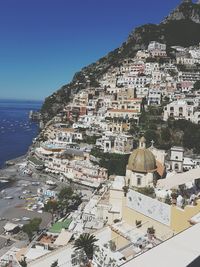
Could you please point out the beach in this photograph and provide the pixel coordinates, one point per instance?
(17, 194)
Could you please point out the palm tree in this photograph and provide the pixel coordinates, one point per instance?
(86, 242)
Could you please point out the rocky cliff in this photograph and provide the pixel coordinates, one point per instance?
(187, 10)
(181, 27)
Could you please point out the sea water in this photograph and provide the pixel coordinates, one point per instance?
(16, 130)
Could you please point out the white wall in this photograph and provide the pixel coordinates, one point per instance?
(149, 207)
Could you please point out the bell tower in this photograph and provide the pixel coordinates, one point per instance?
(177, 157)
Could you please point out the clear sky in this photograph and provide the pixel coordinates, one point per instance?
(44, 42)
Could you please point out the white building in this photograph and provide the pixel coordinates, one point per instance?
(123, 113)
(132, 80)
(156, 46)
(177, 159)
(154, 97)
(189, 76)
(183, 109)
(151, 67)
(123, 144)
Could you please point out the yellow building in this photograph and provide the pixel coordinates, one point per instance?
(134, 206)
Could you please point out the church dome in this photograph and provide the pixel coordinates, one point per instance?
(142, 159)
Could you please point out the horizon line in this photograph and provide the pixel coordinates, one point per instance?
(21, 99)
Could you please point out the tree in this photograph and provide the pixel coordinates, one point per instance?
(27, 228)
(65, 193)
(68, 199)
(196, 85)
(125, 188)
(51, 206)
(31, 227)
(165, 134)
(151, 135)
(86, 242)
(114, 163)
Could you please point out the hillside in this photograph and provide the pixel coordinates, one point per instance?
(181, 27)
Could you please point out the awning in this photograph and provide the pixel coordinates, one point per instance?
(63, 238)
(9, 227)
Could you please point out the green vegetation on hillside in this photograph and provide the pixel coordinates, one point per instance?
(167, 134)
(115, 163)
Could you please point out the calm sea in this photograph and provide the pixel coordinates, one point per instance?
(16, 130)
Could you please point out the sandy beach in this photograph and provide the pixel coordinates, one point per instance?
(14, 209)
(11, 204)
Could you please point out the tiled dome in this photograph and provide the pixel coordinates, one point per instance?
(142, 159)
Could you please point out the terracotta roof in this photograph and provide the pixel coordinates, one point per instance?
(160, 168)
(71, 130)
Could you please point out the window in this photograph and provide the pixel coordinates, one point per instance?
(176, 166)
(138, 180)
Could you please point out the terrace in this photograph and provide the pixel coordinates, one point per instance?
(54, 146)
(121, 242)
(58, 226)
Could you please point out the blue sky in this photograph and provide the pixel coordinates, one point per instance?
(44, 42)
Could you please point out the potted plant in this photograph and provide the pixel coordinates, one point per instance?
(125, 188)
(151, 232)
(174, 197)
(138, 223)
